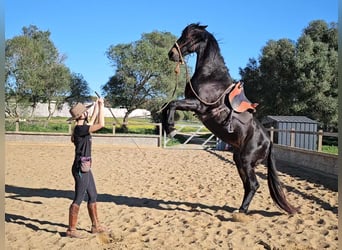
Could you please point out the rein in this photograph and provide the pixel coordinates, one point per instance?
(189, 80)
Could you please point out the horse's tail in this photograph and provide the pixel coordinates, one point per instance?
(274, 185)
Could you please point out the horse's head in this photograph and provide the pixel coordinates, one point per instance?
(188, 43)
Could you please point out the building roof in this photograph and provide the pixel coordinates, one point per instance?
(285, 118)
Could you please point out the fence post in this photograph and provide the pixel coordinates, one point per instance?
(292, 137)
(69, 125)
(164, 137)
(114, 127)
(160, 134)
(17, 125)
(320, 140)
(271, 133)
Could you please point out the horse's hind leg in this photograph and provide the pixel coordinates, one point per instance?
(249, 180)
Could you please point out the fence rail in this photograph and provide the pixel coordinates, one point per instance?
(193, 137)
(320, 134)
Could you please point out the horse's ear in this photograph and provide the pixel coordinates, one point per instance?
(203, 27)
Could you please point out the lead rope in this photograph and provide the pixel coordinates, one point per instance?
(177, 71)
(136, 144)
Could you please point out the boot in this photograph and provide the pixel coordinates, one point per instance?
(73, 213)
(95, 227)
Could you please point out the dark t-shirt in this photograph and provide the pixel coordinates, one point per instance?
(81, 136)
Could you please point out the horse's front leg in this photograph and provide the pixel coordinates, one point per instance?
(168, 113)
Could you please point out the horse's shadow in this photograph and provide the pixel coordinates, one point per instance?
(304, 175)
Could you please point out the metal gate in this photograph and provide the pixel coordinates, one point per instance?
(192, 140)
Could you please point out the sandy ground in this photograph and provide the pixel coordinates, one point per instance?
(158, 199)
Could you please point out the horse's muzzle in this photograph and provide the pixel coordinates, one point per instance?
(173, 55)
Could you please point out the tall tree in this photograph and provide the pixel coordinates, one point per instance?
(143, 72)
(23, 62)
(56, 85)
(35, 69)
(297, 78)
(271, 82)
(79, 90)
(317, 67)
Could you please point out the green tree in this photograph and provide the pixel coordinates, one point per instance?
(56, 85)
(20, 52)
(317, 67)
(34, 70)
(297, 78)
(79, 90)
(144, 75)
(272, 82)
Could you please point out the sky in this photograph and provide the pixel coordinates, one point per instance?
(84, 30)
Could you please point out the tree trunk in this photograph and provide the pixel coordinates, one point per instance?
(50, 111)
(125, 121)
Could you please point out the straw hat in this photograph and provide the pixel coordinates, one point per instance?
(77, 110)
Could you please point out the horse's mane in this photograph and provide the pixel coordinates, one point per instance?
(206, 35)
(213, 52)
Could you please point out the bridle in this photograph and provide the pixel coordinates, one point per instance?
(179, 53)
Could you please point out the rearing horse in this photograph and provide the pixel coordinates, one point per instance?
(206, 94)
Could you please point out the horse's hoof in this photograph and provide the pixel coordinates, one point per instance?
(240, 211)
(240, 217)
(172, 133)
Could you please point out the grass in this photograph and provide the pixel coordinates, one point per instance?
(54, 126)
(330, 149)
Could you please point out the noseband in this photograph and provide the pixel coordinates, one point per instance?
(179, 53)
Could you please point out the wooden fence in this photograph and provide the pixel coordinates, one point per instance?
(320, 134)
(193, 135)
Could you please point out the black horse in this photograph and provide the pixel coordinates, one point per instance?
(206, 94)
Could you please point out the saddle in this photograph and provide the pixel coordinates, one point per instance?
(238, 100)
(239, 103)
